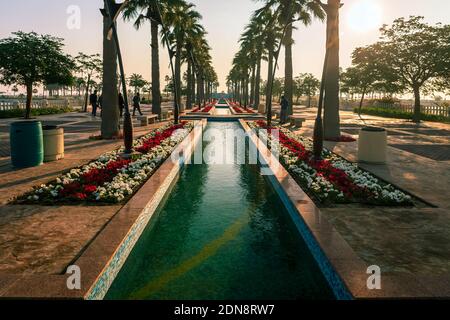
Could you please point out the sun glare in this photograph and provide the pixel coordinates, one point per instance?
(365, 15)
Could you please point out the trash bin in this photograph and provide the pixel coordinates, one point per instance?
(372, 145)
(27, 149)
(53, 143)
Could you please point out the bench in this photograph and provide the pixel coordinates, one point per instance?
(297, 121)
(146, 120)
(166, 114)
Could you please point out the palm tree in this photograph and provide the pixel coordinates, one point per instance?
(142, 10)
(331, 121)
(270, 34)
(137, 82)
(110, 104)
(195, 43)
(182, 20)
(287, 12)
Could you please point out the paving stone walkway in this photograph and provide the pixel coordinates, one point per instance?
(413, 242)
(45, 240)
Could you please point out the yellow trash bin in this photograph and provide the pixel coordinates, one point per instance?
(53, 143)
(372, 145)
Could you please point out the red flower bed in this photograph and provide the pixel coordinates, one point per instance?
(81, 190)
(324, 168)
(238, 109)
(158, 138)
(88, 183)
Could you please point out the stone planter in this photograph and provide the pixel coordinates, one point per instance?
(372, 145)
(53, 143)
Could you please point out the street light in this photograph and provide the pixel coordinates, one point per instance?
(112, 11)
(318, 125)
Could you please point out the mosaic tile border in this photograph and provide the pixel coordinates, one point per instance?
(101, 286)
(338, 286)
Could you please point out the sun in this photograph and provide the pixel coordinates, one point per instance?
(365, 15)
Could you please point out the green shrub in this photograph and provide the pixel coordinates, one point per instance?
(17, 113)
(399, 114)
(387, 100)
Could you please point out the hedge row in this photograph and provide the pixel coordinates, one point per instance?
(399, 114)
(17, 113)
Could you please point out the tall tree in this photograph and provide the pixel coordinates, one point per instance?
(137, 82)
(308, 84)
(418, 53)
(141, 10)
(110, 104)
(331, 119)
(28, 59)
(89, 66)
(181, 19)
(288, 12)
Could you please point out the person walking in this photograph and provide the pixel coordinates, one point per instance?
(100, 104)
(93, 99)
(284, 110)
(137, 104)
(121, 104)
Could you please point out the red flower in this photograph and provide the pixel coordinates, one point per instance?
(324, 168)
(80, 196)
(90, 189)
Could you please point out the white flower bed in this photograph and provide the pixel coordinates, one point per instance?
(381, 192)
(128, 178)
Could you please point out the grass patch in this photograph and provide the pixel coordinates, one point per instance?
(17, 113)
(399, 114)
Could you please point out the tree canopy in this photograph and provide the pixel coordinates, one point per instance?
(27, 59)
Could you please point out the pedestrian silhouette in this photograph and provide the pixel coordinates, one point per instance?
(121, 104)
(284, 110)
(137, 104)
(93, 99)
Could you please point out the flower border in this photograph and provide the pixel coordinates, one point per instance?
(109, 178)
(332, 180)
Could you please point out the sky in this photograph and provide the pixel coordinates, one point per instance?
(224, 20)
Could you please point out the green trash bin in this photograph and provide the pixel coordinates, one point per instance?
(27, 144)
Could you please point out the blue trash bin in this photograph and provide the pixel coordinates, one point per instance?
(27, 144)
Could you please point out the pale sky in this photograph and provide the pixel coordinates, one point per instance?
(223, 19)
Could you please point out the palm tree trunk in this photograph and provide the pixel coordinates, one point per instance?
(178, 74)
(331, 103)
(258, 83)
(87, 93)
(199, 89)
(416, 116)
(193, 85)
(110, 107)
(288, 72)
(252, 85)
(156, 81)
(269, 77)
(189, 86)
(29, 100)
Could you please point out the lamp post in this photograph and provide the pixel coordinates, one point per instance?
(112, 11)
(318, 125)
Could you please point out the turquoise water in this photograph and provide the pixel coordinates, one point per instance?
(223, 233)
